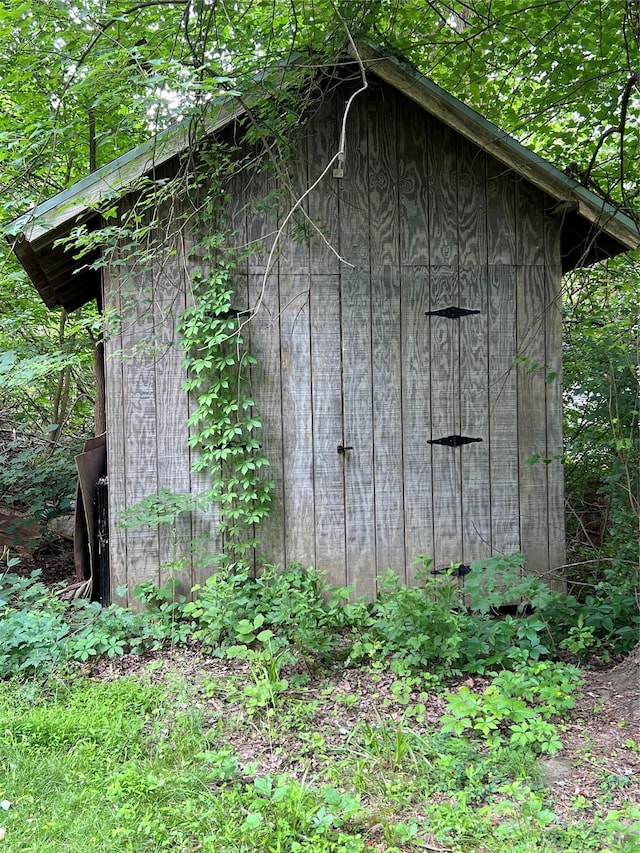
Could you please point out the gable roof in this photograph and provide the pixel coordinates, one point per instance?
(591, 228)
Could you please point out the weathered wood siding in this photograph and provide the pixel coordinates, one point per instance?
(348, 356)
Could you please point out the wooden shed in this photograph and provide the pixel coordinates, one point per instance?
(408, 365)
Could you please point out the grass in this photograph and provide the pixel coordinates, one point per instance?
(176, 758)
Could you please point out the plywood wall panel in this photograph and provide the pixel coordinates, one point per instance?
(501, 214)
(445, 418)
(474, 415)
(266, 387)
(503, 411)
(114, 405)
(416, 416)
(386, 290)
(297, 419)
(443, 195)
(323, 140)
(472, 205)
(173, 458)
(139, 415)
(532, 427)
(358, 433)
(413, 184)
(328, 463)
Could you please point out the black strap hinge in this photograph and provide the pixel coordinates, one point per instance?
(453, 440)
(452, 312)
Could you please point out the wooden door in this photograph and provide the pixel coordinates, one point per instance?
(428, 420)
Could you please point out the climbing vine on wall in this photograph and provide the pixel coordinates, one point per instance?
(225, 424)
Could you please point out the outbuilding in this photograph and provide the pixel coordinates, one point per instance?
(407, 344)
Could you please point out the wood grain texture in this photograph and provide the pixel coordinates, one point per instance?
(328, 464)
(416, 416)
(474, 415)
(297, 419)
(553, 389)
(387, 419)
(445, 419)
(413, 184)
(503, 411)
(443, 196)
(172, 412)
(356, 355)
(472, 205)
(140, 427)
(386, 336)
(532, 431)
(262, 217)
(236, 217)
(501, 214)
(266, 386)
(322, 144)
(295, 236)
(358, 433)
(530, 225)
(353, 189)
(383, 178)
(116, 461)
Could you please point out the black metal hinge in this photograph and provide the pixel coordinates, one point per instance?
(453, 440)
(452, 312)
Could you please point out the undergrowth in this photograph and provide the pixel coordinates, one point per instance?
(153, 764)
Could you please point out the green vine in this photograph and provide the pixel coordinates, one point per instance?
(225, 423)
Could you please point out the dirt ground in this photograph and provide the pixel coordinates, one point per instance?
(598, 768)
(52, 556)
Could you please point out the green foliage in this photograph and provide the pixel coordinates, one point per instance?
(225, 421)
(278, 608)
(516, 707)
(41, 632)
(417, 627)
(601, 428)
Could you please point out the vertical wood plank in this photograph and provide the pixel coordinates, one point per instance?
(262, 213)
(116, 458)
(387, 420)
(443, 206)
(474, 415)
(322, 144)
(501, 214)
(413, 184)
(267, 393)
(356, 354)
(503, 411)
(358, 433)
(416, 416)
(353, 190)
(555, 471)
(293, 180)
(328, 466)
(530, 225)
(172, 413)
(532, 433)
(472, 205)
(297, 419)
(386, 289)
(445, 419)
(140, 402)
